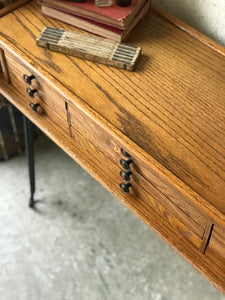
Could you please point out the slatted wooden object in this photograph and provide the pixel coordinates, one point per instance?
(89, 47)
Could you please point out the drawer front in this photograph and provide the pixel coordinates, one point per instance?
(215, 250)
(188, 220)
(51, 106)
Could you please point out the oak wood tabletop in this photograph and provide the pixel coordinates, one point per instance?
(172, 106)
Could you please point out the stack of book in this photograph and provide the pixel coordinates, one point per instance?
(113, 22)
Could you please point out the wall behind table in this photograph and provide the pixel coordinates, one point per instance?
(207, 16)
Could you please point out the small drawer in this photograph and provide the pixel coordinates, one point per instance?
(179, 213)
(215, 250)
(42, 97)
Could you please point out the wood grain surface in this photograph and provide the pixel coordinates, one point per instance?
(4, 73)
(47, 96)
(176, 210)
(11, 7)
(216, 248)
(175, 113)
(169, 115)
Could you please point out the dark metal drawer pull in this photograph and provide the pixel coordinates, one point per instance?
(125, 153)
(125, 175)
(125, 187)
(27, 79)
(126, 163)
(36, 107)
(31, 92)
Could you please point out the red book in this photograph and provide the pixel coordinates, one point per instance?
(104, 30)
(114, 15)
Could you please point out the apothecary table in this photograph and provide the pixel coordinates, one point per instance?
(162, 124)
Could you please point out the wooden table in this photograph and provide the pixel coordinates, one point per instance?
(168, 117)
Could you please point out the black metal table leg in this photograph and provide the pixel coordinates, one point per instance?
(29, 144)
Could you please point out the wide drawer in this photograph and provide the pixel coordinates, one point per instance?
(52, 105)
(187, 219)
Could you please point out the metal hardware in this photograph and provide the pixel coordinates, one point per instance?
(125, 153)
(125, 187)
(27, 79)
(36, 107)
(126, 163)
(125, 175)
(29, 143)
(31, 92)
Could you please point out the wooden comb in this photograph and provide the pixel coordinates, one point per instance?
(90, 47)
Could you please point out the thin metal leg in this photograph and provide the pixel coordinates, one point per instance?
(29, 144)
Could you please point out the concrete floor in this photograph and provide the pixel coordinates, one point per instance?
(81, 243)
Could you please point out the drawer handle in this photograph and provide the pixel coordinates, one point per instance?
(31, 92)
(125, 187)
(125, 175)
(27, 79)
(36, 107)
(126, 163)
(124, 152)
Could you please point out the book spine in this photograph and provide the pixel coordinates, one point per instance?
(82, 24)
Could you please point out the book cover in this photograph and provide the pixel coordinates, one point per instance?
(114, 15)
(84, 23)
(111, 32)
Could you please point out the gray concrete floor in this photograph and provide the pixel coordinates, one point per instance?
(82, 243)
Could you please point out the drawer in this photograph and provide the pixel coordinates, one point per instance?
(215, 250)
(178, 212)
(52, 105)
